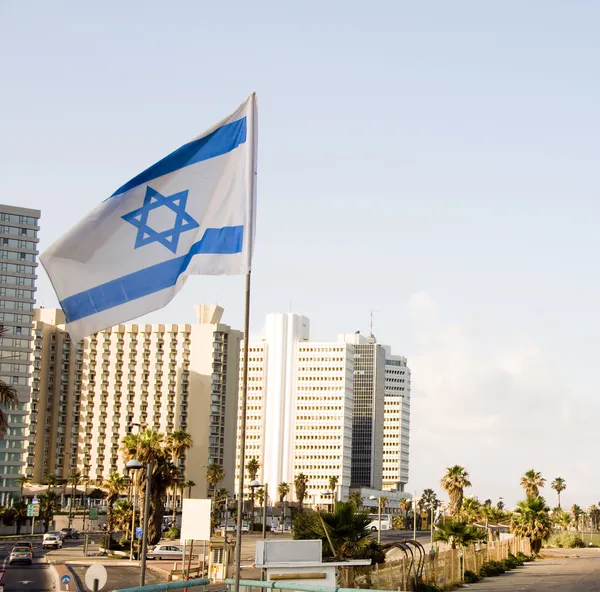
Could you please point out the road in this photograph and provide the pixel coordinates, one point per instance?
(35, 578)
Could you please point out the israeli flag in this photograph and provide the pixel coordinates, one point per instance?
(192, 212)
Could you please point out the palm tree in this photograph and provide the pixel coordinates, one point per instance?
(8, 399)
(260, 494)
(405, 505)
(122, 515)
(594, 513)
(531, 481)
(51, 481)
(562, 519)
(74, 480)
(214, 474)
(356, 499)
(179, 442)
(333, 483)
(189, 484)
(454, 482)
(149, 447)
(471, 509)
(20, 513)
(430, 502)
(559, 485)
(344, 529)
(300, 485)
(22, 480)
(48, 505)
(458, 533)
(115, 484)
(576, 512)
(252, 466)
(283, 490)
(532, 519)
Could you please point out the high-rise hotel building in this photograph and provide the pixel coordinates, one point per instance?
(18, 273)
(89, 395)
(318, 409)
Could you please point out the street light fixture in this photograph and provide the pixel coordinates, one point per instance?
(133, 465)
(374, 497)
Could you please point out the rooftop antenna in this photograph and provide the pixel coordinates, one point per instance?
(371, 322)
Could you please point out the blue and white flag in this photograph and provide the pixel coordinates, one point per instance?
(192, 212)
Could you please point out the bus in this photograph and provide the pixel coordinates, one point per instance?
(386, 522)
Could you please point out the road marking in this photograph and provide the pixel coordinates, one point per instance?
(26, 582)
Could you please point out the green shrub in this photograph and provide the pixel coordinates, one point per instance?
(565, 540)
(507, 564)
(515, 561)
(172, 533)
(421, 587)
(524, 558)
(491, 568)
(471, 577)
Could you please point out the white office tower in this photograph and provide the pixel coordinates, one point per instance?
(300, 405)
(396, 426)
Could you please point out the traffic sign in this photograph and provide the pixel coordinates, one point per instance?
(96, 572)
(35, 500)
(138, 532)
(33, 510)
(65, 579)
(93, 513)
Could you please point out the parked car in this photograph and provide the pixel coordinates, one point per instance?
(20, 555)
(69, 533)
(52, 540)
(26, 544)
(165, 552)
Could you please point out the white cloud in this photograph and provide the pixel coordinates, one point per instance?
(498, 409)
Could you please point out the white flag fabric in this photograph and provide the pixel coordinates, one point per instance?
(192, 212)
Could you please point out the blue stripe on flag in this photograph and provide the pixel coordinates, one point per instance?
(215, 241)
(221, 141)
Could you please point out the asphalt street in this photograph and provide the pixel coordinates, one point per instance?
(30, 578)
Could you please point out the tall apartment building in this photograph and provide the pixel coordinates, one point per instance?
(320, 409)
(89, 395)
(299, 416)
(396, 426)
(18, 273)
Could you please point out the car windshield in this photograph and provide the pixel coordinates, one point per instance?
(21, 550)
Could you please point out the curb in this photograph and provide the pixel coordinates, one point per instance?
(59, 571)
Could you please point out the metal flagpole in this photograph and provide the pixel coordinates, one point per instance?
(240, 504)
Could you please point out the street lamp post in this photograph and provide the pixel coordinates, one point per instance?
(373, 497)
(415, 500)
(145, 526)
(133, 465)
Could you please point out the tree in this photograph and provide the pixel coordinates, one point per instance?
(300, 486)
(471, 509)
(382, 503)
(594, 513)
(344, 529)
(356, 499)
(562, 519)
(115, 484)
(532, 519)
(8, 399)
(283, 489)
(576, 512)
(178, 442)
(454, 482)
(149, 447)
(252, 466)
(531, 482)
(22, 480)
(333, 483)
(74, 480)
(48, 505)
(122, 515)
(189, 484)
(51, 481)
(405, 505)
(214, 474)
(559, 485)
(458, 533)
(19, 510)
(430, 502)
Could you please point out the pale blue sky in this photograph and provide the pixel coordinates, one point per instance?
(434, 161)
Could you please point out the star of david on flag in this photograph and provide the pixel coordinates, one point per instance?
(168, 238)
(191, 213)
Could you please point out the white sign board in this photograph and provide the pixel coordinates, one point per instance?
(96, 572)
(195, 520)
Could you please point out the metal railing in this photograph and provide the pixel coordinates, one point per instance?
(169, 586)
(250, 584)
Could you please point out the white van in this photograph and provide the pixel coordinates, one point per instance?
(386, 522)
